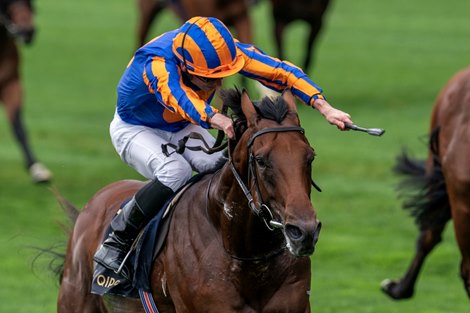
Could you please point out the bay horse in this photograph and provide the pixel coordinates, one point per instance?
(240, 238)
(310, 11)
(234, 13)
(442, 182)
(17, 23)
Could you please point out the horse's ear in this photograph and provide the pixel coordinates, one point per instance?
(248, 109)
(289, 99)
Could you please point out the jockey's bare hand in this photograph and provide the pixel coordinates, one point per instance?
(332, 115)
(222, 122)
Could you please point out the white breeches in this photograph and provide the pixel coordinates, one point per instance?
(141, 148)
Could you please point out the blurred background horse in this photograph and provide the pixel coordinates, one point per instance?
(309, 11)
(16, 19)
(234, 13)
(239, 239)
(442, 183)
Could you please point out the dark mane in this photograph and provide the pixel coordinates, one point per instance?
(274, 109)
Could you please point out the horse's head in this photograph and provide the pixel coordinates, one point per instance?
(17, 18)
(277, 158)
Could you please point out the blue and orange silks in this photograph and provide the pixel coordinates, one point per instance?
(154, 92)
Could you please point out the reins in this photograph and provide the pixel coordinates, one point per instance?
(233, 256)
(206, 148)
(219, 145)
(263, 211)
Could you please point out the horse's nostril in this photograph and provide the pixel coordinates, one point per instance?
(293, 232)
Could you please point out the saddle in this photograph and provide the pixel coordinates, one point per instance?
(145, 249)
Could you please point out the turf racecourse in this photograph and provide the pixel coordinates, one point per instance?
(382, 61)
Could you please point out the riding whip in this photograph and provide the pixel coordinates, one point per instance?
(370, 131)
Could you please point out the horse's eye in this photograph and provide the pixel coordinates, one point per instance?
(261, 161)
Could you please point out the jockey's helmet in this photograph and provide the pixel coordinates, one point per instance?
(206, 47)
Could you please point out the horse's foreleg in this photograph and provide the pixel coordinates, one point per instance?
(148, 10)
(278, 36)
(12, 99)
(456, 169)
(315, 27)
(465, 271)
(243, 28)
(244, 34)
(404, 287)
(458, 186)
(461, 218)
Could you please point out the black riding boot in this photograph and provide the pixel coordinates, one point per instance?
(128, 223)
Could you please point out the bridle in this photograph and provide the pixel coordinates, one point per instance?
(262, 210)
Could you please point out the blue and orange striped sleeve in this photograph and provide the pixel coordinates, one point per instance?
(164, 79)
(278, 75)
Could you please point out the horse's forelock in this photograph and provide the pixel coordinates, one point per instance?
(275, 109)
(272, 108)
(269, 108)
(232, 98)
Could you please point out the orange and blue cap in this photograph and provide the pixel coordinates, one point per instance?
(206, 47)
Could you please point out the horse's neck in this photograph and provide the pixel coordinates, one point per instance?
(244, 234)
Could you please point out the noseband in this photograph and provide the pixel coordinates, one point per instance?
(263, 211)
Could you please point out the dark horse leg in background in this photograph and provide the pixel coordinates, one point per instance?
(433, 214)
(443, 183)
(315, 27)
(456, 168)
(404, 287)
(285, 12)
(148, 10)
(17, 24)
(279, 28)
(232, 13)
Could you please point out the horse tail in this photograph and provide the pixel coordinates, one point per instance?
(69, 209)
(56, 258)
(424, 192)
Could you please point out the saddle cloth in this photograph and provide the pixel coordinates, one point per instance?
(146, 248)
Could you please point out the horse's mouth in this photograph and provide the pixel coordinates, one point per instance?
(300, 251)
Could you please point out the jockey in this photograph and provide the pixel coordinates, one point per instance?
(165, 94)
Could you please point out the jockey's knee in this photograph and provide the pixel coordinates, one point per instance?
(209, 163)
(175, 174)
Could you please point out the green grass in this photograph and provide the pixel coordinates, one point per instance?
(382, 61)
